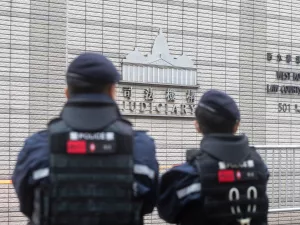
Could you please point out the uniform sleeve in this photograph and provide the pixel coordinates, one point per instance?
(267, 172)
(146, 171)
(178, 189)
(33, 156)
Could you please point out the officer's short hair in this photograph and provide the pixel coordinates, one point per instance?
(213, 123)
(88, 89)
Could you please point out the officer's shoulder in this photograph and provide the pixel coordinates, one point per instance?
(143, 141)
(252, 148)
(39, 137)
(184, 168)
(142, 135)
(141, 132)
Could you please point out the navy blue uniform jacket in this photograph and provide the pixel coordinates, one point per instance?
(180, 178)
(34, 156)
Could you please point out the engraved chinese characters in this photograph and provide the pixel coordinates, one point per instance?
(280, 57)
(150, 101)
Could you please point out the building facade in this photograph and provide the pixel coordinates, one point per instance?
(169, 52)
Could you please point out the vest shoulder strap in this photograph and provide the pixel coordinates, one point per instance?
(53, 121)
(191, 154)
(125, 121)
(193, 157)
(56, 125)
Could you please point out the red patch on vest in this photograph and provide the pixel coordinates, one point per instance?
(76, 147)
(226, 176)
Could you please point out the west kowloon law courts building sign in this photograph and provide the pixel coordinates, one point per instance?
(158, 84)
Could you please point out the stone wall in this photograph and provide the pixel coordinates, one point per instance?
(227, 41)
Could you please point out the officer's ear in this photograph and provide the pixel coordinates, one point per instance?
(112, 90)
(67, 93)
(196, 123)
(236, 127)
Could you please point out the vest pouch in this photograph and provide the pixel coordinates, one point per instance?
(94, 192)
(41, 205)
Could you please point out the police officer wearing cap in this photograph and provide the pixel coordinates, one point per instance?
(224, 181)
(89, 167)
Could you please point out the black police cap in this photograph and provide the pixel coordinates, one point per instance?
(220, 103)
(92, 69)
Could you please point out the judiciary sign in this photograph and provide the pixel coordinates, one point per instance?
(150, 107)
(175, 77)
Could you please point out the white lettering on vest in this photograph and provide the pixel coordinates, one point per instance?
(105, 136)
(245, 164)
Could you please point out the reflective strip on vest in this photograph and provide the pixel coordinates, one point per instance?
(189, 190)
(40, 173)
(144, 170)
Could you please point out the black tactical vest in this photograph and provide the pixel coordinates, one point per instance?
(232, 194)
(91, 170)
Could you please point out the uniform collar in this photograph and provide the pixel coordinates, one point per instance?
(90, 112)
(91, 98)
(226, 147)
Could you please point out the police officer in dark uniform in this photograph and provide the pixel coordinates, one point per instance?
(224, 181)
(89, 167)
